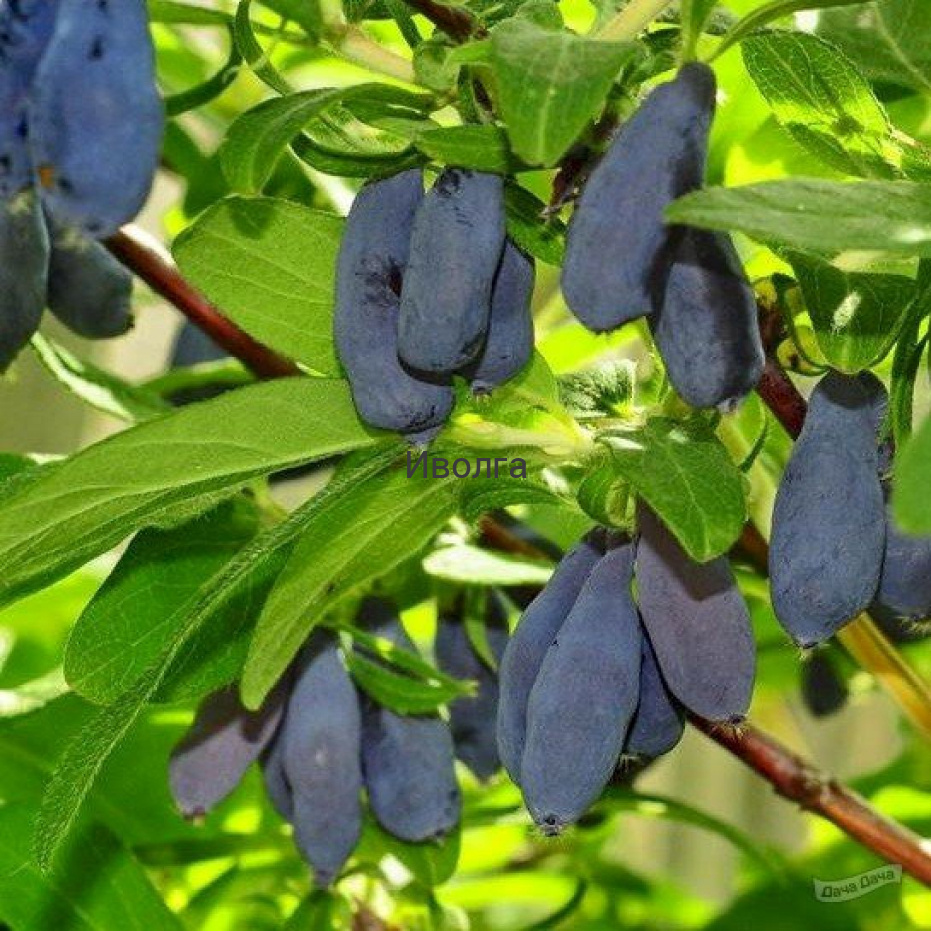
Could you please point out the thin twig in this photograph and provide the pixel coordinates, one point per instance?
(141, 258)
(798, 781)
(457, 22)
(578, 163)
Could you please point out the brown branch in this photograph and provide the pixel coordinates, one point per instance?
(456, 21)
(365, 919)
(783, 399)
(753, 549)
(579, 162)
(163, 278)
(798, 781)
(497, 537)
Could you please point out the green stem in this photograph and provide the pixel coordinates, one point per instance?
(632, 20)
(354, 45)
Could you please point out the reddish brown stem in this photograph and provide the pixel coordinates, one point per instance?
(753, 549)
(798, 781)
(497, 537)
(578, 163)
(457, 22)
(163, 278)
(781, 396)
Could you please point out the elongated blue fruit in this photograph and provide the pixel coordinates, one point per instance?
(705, 326)
(659, 722)
(89, 291)
(24, 258)
(456, 246)
(224, 741)
(616, 250)
(829, 528)
(194, 347)
(277, 786)
(897, 629)
(584, 698)
(509, 343)
(25, 29)
(697, 622)
(535, 633)
(372, 262)
(95, 115)
(320, 755)
(823, 689)
(905, 580)
(472, 719)
(408, 760)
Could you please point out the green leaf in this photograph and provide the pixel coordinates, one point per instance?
(686, 476)
(382, 649)
(560, 915)
(171, 11)
(98, 886)
(357, 535)
(856, 316)
(822, 217)
(431, 863)
(95, 387)
(165, 471)
(535, 386)
(434, 66)
(378, 125)
(911, 503)
(85, 754)
(258, 138)
(306, 13)
(888, 40)
(550, 85)
(770, 12)
(604, 496)
(472, 565)
(323, 909)
(400, 693)
(347, 165)
(481, 148)
(209, 89)
(479, 496)
(827, 106)
(126, 625)
(252, 52)
(538, 235)
(271, 265)
(908, 352)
